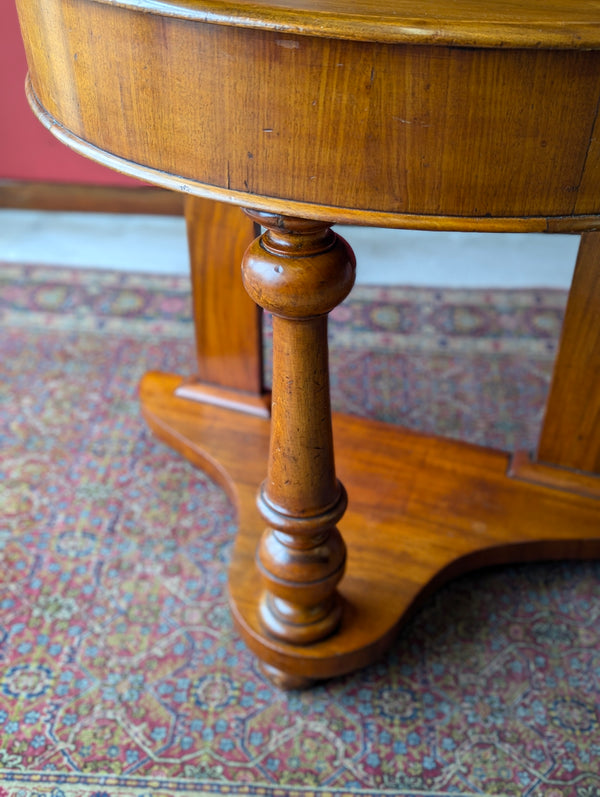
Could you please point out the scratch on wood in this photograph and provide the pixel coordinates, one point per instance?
(410, 121)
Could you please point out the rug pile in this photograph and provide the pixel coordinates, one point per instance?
(120, 672)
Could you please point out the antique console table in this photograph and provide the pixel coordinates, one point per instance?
(466, 115)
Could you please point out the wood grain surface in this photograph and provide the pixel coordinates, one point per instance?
(570, 436)
(489, 23)
(472, 114)
(227, 323)
(421, 510)
(419, 134)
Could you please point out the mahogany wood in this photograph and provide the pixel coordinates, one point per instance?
(571, 431)
(470, 114)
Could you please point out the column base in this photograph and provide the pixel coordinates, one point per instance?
(421, 510)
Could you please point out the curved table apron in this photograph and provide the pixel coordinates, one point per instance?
(471, 116)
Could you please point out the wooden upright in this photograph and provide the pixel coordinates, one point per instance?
(571, 432)
(469, 115)
(300, 270)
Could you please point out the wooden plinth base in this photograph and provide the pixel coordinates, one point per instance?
(421, 510)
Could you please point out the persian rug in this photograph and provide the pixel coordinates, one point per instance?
(120, 671)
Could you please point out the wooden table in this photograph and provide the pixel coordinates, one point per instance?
(467, 115)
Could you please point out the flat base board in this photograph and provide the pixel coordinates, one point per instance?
(422, 510)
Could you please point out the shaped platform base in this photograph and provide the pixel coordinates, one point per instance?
(421, 511)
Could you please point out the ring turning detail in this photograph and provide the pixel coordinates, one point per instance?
(472, 115)
(300, 270)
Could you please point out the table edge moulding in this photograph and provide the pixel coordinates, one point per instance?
(470, 115)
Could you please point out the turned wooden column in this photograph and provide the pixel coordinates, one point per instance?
(299, 270)
(364, 107)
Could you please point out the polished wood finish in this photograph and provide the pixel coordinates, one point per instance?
(524, 466)
(89, 198)
(258, 404)
(422, 510)
(557, 24)
(571, 431)
(435, 136)
(300, 270)
(464, 115)
(227, 323)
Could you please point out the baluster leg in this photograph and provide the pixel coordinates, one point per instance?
(300, 270)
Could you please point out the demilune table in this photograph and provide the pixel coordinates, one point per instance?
(438, 115)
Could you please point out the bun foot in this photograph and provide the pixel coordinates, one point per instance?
(284, 680)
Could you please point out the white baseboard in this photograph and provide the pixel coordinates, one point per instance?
(385, 257)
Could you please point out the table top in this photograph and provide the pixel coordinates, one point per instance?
(475, 114)
(478, 23)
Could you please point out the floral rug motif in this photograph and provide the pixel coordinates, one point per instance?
(120, 671)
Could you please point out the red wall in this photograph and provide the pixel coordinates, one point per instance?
(27, 150)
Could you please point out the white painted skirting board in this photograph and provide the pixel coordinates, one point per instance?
(385, 257)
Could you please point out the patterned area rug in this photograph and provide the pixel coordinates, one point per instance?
(120, 672)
